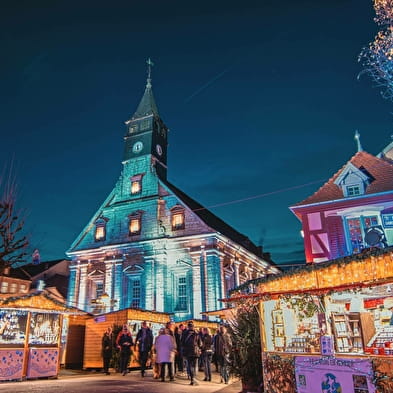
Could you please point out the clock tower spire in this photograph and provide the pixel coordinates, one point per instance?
(146, 133)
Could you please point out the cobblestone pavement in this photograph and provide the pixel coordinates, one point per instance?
(70, 381)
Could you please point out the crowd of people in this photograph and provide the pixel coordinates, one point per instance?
(176, 350)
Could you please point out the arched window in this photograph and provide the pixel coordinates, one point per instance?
(177, 218)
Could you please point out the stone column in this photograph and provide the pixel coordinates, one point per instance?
(83, 282)
(196, 285)
(236, 265)
(73, 285)
(160, 283)
(150, 284)
(117, 283)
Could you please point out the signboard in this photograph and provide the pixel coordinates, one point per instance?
(333, 375)
(387, 220)
(44, 328)
(11, 364)
(12, 326)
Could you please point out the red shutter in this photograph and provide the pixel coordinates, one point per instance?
(336, 235)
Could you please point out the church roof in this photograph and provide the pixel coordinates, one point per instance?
(217, 224)
(380, 170)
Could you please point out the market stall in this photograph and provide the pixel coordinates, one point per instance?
(31, 335)
(329, 325)
(96, 326)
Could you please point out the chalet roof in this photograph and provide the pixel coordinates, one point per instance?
(18, 273)
(380, 170)
(219, 225)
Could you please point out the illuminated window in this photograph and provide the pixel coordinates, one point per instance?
(100, 233)
(134, 226)
(4, 287)
(22, 288)
(136, 184)
(13, 287)
(357, 228)
(182, 294)
(136, 293)
(136, 187)
(177, 218)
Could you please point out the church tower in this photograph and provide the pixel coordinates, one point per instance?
(146, 134)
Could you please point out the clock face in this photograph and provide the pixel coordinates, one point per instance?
(159, 150)
(137, 147)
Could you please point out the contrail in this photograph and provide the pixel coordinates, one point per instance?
(206, 85)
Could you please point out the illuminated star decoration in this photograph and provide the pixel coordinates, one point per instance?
(377, 58)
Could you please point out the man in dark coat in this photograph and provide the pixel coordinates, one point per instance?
(222, 350)
(107, 346)
(191, 347)
(144, 339)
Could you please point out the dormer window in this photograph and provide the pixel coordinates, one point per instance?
(353, 181)
(136, 184)
(134, 225)
(177, 218)
(100, 232)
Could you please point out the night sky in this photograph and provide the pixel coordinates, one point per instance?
(261, 98)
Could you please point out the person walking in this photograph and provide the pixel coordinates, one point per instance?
(179, 362)
(144, 340)
(191, 345)
(165, 346)
(124, 342)
(207, 353)
(106, 349)
(222, 350)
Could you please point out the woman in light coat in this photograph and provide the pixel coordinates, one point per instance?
(165, 346)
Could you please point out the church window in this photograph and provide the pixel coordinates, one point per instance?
(99, 289)
(136, 293)
(136, 184)
(100, 231)
(177, 218)
(145, 124)
(182, 294)
(134, 225)
(136, 187)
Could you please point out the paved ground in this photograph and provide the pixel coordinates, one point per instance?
(70, 381)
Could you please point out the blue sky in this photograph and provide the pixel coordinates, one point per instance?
(261, 98)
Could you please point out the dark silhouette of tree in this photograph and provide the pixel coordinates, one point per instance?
(13, 244)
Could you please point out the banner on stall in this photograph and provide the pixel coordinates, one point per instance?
(333, 375)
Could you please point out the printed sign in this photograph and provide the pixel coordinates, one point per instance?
(333, 375)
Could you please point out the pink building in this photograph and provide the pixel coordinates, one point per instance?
(352, 211)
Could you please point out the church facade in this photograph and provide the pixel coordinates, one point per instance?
(151, 246)
(352, 211)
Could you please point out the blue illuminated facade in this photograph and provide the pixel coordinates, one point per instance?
(151, 246)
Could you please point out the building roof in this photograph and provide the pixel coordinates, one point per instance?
(147, 105)
(219, 225)
(31, 270)
(380, 170)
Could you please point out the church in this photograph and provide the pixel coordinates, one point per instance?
(151, 246)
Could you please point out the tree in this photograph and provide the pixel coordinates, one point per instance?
(13, 244)
(247, 352)
(377, 57)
